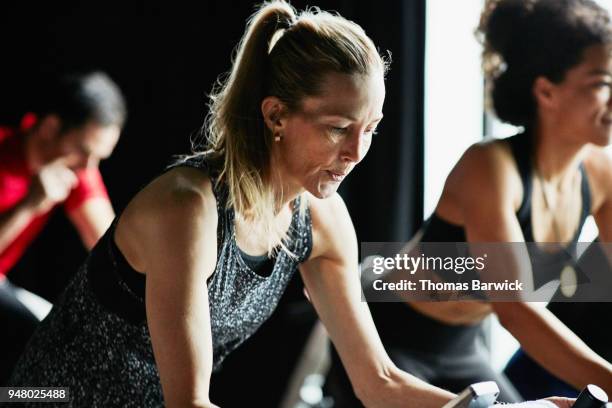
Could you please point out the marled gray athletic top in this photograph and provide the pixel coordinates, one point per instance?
(96, 340)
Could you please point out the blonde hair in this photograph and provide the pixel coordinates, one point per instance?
(286, 55)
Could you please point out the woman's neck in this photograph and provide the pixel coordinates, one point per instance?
(556, 158)
(285, 188)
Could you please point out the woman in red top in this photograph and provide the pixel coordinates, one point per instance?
(52, 159)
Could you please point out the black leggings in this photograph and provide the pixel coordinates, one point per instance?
(449, 357)
(18, 325)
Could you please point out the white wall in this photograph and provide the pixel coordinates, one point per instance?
(453, 89)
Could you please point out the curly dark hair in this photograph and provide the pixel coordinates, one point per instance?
(526, 39)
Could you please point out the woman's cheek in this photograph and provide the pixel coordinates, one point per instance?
(366, 144)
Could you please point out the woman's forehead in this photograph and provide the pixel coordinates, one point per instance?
(347, 96)
(597, 60)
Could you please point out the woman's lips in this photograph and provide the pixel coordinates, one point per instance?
(336, 176)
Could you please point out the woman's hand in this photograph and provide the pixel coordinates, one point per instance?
(50, 186)
(562, 402)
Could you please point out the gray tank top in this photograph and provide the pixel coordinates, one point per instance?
(240, 300)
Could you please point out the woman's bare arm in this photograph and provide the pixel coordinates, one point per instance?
(332, 279)
(552, 344)
(170, 230)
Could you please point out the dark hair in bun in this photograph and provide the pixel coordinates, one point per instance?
(525, 39)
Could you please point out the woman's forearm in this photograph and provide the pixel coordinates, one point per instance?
(548, 341)
(395, 388)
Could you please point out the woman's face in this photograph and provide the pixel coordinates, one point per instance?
(584, 98)
(85, 146)
(330, 133)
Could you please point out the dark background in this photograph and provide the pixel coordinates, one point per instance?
(165, 57)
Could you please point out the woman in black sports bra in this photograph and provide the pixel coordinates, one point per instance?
(549, 68)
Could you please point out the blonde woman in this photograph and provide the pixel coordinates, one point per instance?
(199, 258)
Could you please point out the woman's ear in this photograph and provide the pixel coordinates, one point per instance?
(544, 92)
(274, 112)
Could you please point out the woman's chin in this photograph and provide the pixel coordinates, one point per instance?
(602, 140)
(325, 190)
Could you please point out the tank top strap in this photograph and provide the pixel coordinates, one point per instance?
(585, 189)
(300, 232)
(521, 148)
(301, 237)
(205, 163)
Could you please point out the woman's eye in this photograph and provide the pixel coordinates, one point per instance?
(372, 131)
(336, 134)
(604, 84)
(338, 130)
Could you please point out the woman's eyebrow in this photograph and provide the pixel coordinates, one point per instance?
(348, 117)
(338, 116)
(600, 72)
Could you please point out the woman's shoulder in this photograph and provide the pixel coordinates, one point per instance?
(174, 209)
(598, 160)
(180, 189)
(326, 209)
(487, 157)
(487, 171)
(331, 224)
(598, 165)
